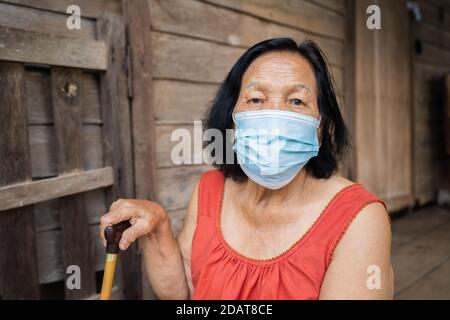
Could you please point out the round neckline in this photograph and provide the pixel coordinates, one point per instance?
(283, 255)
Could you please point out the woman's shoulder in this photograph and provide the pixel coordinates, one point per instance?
(338, 183)
(370, 206)
(373, 211)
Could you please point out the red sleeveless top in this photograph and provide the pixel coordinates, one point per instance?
(219, 272)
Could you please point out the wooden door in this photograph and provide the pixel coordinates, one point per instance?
(65, 146)
(383, 156)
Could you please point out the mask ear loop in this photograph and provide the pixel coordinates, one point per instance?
(318, 125)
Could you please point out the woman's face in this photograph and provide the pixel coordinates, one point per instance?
(279, 80)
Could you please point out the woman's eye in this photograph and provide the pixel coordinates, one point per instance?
(296, 102)
(255, 101)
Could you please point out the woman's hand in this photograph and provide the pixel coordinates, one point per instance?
(145, 218)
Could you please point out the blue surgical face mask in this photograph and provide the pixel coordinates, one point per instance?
(272, 146)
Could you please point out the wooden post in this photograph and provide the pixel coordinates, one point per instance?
(18, 262)
(138, 26)
(117, 138)
(67, 106)
(348, 109)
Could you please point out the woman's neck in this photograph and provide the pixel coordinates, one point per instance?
(258, 195)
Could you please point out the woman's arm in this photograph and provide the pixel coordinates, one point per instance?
(165, 260)
(361, 265)
(186, 235)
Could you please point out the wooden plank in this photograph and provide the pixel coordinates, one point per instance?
(335, 5)
(43, 151)
(427, 118)
(93, 150)
(232, 28)
(89, 8)
(399, 202)
(50, 248)
(435, 285)
(432, 34)
(18, 261)
(175, 185)
(408, 228)
(46, 214)
(189, 59)
(38, 96)
(33, 47)
(432, 15)
(383, 102)
(434, 54)
(138, 26)
(299, 14)
(67, 109)
(440, 3)
(349, 108)
(419, 257)
(447, 118)
(170, 95)
(117, 139)
(91, 106)
(164, 143)
(140, 41)
(30, 19)
(23, 194)
(200, 61)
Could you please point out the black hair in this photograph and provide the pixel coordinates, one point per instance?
(334, 134)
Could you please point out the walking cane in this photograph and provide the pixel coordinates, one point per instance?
(112, 236)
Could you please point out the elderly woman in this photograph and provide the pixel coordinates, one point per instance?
(278, 223)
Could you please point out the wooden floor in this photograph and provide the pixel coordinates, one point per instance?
(421, 254)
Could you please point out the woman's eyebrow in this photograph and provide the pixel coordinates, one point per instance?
(253, 84)
(294, 86)
(301, 86)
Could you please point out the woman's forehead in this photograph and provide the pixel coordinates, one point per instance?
(281, 68)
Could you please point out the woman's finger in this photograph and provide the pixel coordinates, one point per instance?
(112, 218)
(117, 204)
(132, 233)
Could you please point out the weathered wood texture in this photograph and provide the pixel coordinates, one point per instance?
(383, 104)
(67, 101)
(431, 62)
(18, 261)
(43, 147)
(26, 193)
(89, 8)
(142, 112)
(348, 166)
(194, 45)
(40, 48)
(138, 25)
(97, 119)
(421, 254)
(29, 19)
(117, 138)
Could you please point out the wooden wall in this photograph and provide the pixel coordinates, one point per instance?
(195, 43)
(431, 62)
(383, 103)
(70, 135)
